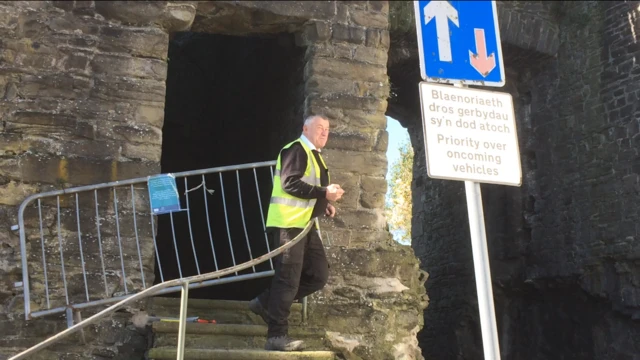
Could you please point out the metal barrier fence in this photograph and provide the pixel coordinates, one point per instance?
(95, 245)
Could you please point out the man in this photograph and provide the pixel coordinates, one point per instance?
(301, 193)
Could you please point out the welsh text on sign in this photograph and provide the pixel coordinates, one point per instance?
(470, 135)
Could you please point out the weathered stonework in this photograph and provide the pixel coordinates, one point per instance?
(563, 247)
(83, 87)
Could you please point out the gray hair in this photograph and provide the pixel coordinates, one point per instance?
(310, 118)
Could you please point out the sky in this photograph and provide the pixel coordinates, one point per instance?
(397, 135)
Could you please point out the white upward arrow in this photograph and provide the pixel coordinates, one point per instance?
(442, 11)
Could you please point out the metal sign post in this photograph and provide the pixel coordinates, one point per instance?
(470, 135)
(482, 269)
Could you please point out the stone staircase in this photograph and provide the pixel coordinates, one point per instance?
(238, 334)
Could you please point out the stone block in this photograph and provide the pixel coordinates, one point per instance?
(378, 89)
(149, 115)
(371, 55)
(129, 66)
(9, 168)
(341, 69)
(39, 141)
(130, 89)
(333, 114)
(3, 85)
(391, 262)
(382, 141)
(360, 118)
(8, 20)
(336, 237)
(135, 133)
(131, 12)
(347, 102)
(349, 182)
(365, 163)
(352, 140)
(380, 6)
(306, 9)
(330, 50)
(84, 8)
(373, 37)
(148, 152)
(371, 184)
(30, 25)
(151, 43)
(78, 171)
(368, 19)
(342, 13)
(64, 5)
(56, 85)
(369, 238)
(46, 123)
(13, 193)
(11, 144)
(76, 62)
(179, 16)
(95, 149)
(357, 4)
(373, 192)
(64, 23)
(385, 39)
(372, 200)
(319, 84)
(349, 34)
(317, 31)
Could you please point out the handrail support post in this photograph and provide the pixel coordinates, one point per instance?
(182, 329)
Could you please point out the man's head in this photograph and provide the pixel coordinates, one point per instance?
(316, 129)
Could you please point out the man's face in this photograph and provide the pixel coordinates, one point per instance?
(317, 132)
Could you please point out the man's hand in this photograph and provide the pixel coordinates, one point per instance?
(331, 211)
(334, 192)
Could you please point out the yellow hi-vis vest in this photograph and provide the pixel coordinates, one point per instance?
(287, 211)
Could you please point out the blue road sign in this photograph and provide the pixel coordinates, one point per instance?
(459, 42)
(163, 194)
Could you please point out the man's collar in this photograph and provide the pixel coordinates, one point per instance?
(309, 144)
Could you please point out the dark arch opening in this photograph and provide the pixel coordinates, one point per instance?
(230, 100)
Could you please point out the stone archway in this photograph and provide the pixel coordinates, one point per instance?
(84, 103)
(443, 246)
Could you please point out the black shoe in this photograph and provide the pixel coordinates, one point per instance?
(283, 343)
(256, 307)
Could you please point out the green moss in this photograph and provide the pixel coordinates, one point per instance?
(401, 16)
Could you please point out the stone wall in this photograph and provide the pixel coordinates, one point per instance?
(83, 92)
(82, 103)
(563, 247)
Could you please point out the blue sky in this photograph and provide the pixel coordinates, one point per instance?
(397, 134)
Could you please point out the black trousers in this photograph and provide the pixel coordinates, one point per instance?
(300, 271)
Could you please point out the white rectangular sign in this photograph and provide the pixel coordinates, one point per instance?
(470, 135)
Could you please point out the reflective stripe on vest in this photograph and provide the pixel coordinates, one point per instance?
(287, 211)
(311, 179)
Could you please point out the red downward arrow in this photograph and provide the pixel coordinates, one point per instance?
(481, 62)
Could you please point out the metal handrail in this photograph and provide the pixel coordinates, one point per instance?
(154, 290)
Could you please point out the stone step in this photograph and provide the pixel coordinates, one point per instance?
(198, 341)
(229, 336)
(238, 354)
(223, 311)
(231, 329)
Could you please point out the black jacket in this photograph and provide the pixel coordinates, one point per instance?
(292, 167)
